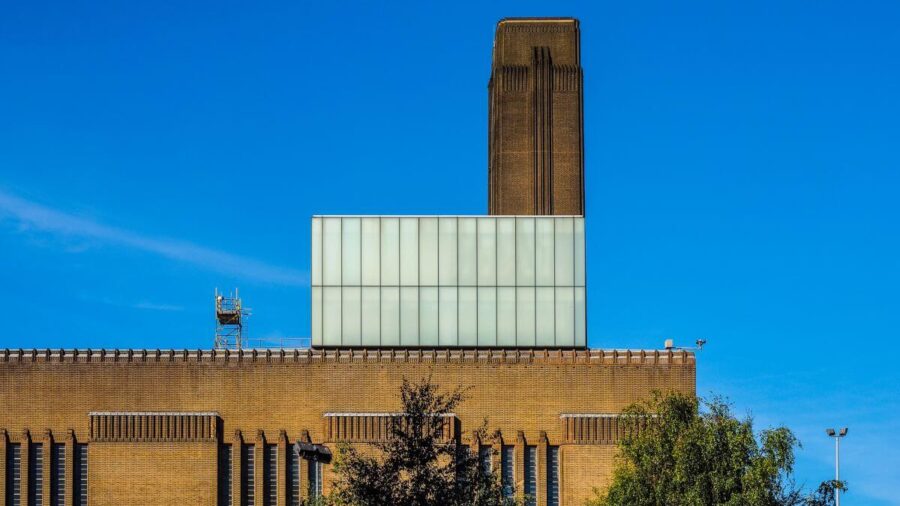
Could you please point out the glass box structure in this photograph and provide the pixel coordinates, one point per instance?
(448, 281)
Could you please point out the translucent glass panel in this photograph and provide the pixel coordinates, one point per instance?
(370, 310)
(351, 259)
(448, 317)
(409, 251)
(331, 251)
(370, 242)
(390, 316)
(448, 281)
(447, 252)
(351, 312)
(428, 316)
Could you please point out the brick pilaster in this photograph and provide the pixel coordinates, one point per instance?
(259, 468)
(541, 471)
(47, 491)
(70, 467)
(283, 481)
(304, 469)
(3, 447)
(562, 476)
(237, 448)
(519, 468)
(475, 448)
(25, 453)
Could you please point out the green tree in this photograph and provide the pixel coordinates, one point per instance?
(679, 450)
(416, 465)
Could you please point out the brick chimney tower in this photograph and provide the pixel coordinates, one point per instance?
(535, 130)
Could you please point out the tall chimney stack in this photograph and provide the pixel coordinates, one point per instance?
(535, 131)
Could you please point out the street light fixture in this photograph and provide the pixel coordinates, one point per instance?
(837, 461)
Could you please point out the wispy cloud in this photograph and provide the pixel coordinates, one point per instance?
(141, 305)
(150, 306)
(31, 215)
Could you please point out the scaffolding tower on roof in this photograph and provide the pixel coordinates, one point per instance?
(230, 315)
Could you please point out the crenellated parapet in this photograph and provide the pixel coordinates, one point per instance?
(353, 355)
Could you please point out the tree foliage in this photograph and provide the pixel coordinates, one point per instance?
(679, 450)
(416, 465)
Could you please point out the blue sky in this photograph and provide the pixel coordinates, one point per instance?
(742, 178)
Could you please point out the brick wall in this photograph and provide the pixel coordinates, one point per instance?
(261, 394)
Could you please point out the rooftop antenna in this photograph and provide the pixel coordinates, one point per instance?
(230, 315)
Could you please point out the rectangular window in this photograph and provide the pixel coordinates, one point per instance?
(485, 456)
(13, 473)
(293, 474)
(507, 470)
(270, 475)
(315, 478)
(552, 476)
(58, 475)
(80, 486)
(225, 475)
(248, 475)
(530, 475)
(35, 474)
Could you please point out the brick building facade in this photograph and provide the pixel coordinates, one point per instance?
(162, 427)
(504, 316)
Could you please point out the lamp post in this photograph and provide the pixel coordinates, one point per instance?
(837, 461)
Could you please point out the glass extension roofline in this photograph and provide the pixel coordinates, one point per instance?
(448, 281)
